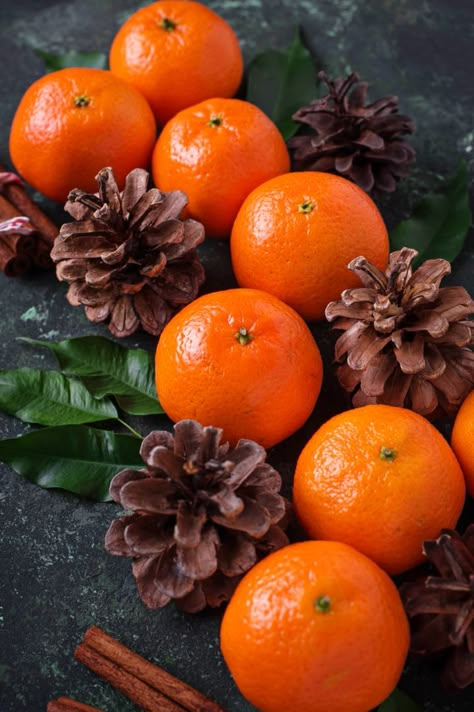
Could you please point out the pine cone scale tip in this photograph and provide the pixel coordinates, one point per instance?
(189, 524)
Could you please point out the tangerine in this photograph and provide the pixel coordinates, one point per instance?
(295, 235)
(73, 122)
(240, 360)
(177, 53)
(382, 479)
(217, 152)
(462, 438)
(315, 627)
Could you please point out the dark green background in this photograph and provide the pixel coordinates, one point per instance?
(56, 580)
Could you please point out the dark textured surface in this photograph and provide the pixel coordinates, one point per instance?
(56, 579)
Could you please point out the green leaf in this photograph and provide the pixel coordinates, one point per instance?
(53, 62)
(399, 702)
(280, 82)
(440, 222)
(72, 457)
(50, 398)
(107, 368)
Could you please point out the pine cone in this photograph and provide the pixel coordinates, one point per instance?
(203, 513)
(442, 607)
(362, 143)
(129, 257)
(406, 341)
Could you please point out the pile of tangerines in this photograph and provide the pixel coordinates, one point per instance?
(317, 626)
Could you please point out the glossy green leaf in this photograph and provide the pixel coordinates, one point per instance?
(440, 222)
(53, 62)
(50, 398)
(72, 457)
(107, 368)
(280, 82)
(399, 702)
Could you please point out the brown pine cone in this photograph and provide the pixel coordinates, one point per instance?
(203, 514)
(407, 341)
(361, 142)
(129, 257)
(441, 607)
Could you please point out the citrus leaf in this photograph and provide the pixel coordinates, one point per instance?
(399, 702)
(440, 222)
(107, 368)
(280, 82)
(50, 398)
(72, 457)
(53, 62)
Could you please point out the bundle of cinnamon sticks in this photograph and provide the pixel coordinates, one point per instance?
(146, 684)
(26, 233)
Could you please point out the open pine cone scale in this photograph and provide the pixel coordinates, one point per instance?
(407, 341)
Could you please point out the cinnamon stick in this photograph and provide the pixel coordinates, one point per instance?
(66, 704)
(16, 194)
(16, 257)
(12, 262)
(139, 692)
(178, 691)
(7, 209)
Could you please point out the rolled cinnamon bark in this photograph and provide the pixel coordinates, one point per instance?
(16, 247)
(132, 687)
(66, 704)
(12, 188)
(154, 676)
(144, 683)
(19, 252)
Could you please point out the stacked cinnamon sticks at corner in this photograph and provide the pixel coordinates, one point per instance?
(26, 233)
(150, 687)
